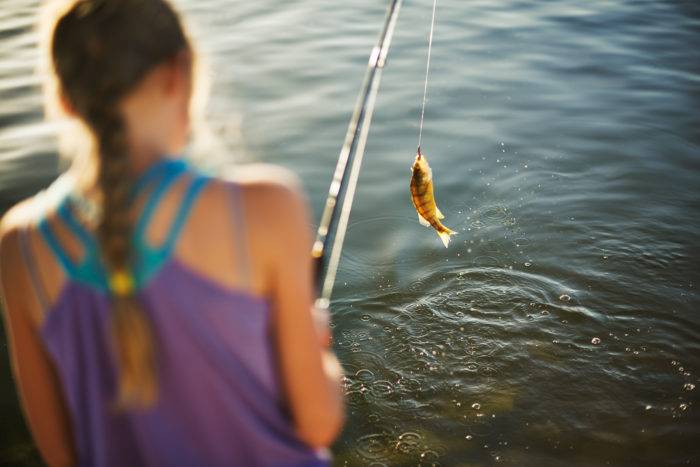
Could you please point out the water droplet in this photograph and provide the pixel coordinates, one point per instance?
(595, 341)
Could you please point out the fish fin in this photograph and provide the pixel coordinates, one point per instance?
(422, 221)
(438, 213)
(445, 236)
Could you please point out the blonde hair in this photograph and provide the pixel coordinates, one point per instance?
(99, 51)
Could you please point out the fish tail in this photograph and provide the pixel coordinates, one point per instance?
(445, 236)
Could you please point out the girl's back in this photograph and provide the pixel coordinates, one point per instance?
(220, 395)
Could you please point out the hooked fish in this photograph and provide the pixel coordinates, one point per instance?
(424, 200)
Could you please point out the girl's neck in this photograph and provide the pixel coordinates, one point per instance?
(85, 170)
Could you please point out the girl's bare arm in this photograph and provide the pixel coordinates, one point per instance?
(310, 372)
(35, 376)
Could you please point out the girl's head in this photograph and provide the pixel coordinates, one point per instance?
(124, 68)
(127, 60)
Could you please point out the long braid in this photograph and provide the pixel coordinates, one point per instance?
(102, 49)
(131, 329)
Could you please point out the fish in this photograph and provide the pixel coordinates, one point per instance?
(423, 198)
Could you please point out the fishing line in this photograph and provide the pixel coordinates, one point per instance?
(427, 70)
(351, 154)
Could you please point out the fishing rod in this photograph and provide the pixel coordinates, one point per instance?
(350, 158)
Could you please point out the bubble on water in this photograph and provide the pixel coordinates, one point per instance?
(365, 317)
(364, 375)
(468, 437)
(564, 297)
(528, 264)
(373, 446)
(408, 442)
(382, 388)
(486, 261)
(688, 386)
(683, 407)
(476, 406)
(471, 367)
(595, 341)
(674, 363)
(429, 456)
(648, 407)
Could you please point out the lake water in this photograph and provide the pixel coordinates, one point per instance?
(561, 326)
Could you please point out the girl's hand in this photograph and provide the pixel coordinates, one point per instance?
(321, 318)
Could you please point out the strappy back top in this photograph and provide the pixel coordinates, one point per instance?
(219, 401)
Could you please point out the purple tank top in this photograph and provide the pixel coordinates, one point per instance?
(219, 400)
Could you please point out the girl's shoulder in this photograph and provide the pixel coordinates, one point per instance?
(25, 215)
(252, 215)
(268, 193)
(11, 224)
(17, 234)
(20, 217)
(266, 182)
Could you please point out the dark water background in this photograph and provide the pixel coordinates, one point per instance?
(561, 326)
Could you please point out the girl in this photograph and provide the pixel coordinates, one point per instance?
(157, 316)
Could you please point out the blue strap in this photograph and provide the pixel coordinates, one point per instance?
(171, 174)
(151, 259)
(55, 246)
(156, 170)
(184, 211)
(66, 215)
(90, 270)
